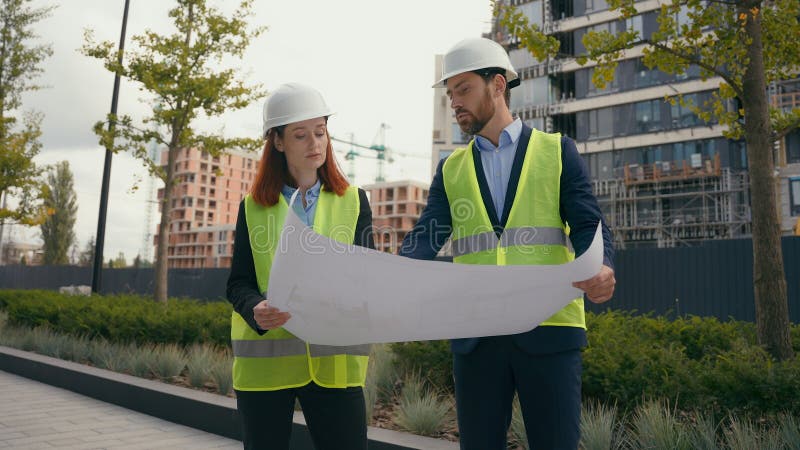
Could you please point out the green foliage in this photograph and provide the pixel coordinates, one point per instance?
(600, 429)
(422, 410)
(200, 359)
(529, 35)
(697, 363)
(744, 434)
(183, 76)
(518, 434)
(20, 64)
(19, 177)
(121, 318)
(58, 232)
(432, 359)
(140, 359)
(710, 35)
(222, 374)
(182, 73)
(381, 377)
(703, 432)
(168, 361)
(119, 262)
(789, 429)
(655, 425)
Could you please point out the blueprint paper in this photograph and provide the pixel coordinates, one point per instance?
(342, 294)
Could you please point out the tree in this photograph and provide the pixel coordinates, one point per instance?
(20, 63)
(87, 255)
(119, 262)
(58, 231)
(748, 44)
(181, 72)
(140, 263)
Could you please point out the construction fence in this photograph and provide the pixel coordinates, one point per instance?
(714, 278)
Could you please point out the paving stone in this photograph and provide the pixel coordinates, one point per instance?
(34, 415)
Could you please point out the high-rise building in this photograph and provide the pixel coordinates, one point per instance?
(786, 96)
(204, 206)
(662, 175)
(396, 207)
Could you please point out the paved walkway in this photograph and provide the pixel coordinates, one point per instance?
(39, 416)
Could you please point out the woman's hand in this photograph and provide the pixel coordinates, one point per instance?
(268, 317)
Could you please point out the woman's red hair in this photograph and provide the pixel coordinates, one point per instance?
(273, 173)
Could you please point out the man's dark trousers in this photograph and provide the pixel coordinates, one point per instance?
(548, 385)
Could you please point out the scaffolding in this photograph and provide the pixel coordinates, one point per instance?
(679, 203)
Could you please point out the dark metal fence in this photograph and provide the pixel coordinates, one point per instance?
(713, 279)
(204, 284)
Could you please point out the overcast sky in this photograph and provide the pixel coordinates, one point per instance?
(373, 60)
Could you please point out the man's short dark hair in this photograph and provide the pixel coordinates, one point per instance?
(488, 75)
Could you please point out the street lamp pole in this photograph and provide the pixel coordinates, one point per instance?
(101, 220)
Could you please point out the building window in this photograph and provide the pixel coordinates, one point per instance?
(601, 123)
(793, 147)
(648, 116)
(444, 154)
(612, 86)
(794, 195)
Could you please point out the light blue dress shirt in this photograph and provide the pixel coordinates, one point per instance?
(497, 162)
(306, 213)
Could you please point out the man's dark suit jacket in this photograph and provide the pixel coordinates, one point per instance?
(578, 208)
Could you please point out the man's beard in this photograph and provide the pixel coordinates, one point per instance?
(481, 117)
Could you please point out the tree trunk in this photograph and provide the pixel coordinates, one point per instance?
(769, 282)
(162, 263)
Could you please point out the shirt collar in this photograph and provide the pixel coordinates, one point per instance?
(311, 194)
(509, 135)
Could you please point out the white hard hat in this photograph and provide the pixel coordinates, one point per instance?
(293, 102)
(475, 54)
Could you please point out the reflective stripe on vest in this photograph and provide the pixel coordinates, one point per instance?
(534, 233)
(289, 347)
(488, 240)
(278, 359)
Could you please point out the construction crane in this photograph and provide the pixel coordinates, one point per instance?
(146, 251)
(382, 153)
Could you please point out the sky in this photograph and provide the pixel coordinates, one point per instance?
(373, 61)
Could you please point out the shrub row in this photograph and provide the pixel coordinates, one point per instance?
(121, 318)
(696, 363)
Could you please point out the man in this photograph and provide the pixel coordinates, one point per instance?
(511, 197)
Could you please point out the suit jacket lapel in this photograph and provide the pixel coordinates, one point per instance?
(516, 171)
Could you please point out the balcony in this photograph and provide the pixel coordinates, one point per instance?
(636, 174)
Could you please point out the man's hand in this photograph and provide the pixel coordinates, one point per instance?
(268, 317)
(599, 288)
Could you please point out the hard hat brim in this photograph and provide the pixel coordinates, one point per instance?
(280, 121)
(511, 77)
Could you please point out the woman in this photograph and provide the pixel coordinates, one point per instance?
(272, 367)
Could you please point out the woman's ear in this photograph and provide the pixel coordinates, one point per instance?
(278, 143)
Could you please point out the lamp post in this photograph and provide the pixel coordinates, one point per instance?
(101, 220)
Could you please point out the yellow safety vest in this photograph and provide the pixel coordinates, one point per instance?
(278, 359)
(534, 233)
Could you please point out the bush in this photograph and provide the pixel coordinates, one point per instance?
(657, 426)
(600, 429)
(697, 364)
(121, 318)
(200, 359)
(422, 410)
(431, 359)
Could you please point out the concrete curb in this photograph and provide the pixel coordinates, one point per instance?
(201, 410)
